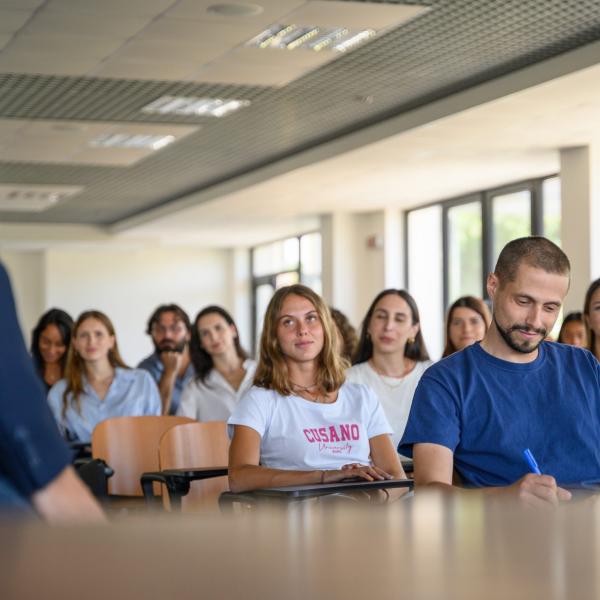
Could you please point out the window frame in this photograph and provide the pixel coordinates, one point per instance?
(271, 278)
(486, 200)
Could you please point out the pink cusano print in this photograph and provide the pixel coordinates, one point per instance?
(333, 433)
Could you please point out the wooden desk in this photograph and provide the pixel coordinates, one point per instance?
(427, 548)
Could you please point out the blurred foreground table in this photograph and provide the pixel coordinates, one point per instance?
(428, 547)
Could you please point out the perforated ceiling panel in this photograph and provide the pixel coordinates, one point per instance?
(457, 44)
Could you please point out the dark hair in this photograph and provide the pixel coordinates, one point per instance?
(64, 324)
(272, 372)
(416, 351)
(163, 308)
(594, 286)
(476, 304)
(200, 358)
(572, 317)
(348, 333)
(535, 251)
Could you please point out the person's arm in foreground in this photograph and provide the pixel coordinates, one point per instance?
(66, 499)
(433, 466)
(245, 474)
(33, 457)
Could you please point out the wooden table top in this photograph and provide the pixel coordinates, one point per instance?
(429, 547)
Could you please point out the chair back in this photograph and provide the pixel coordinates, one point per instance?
(197, 445)
(129, 445)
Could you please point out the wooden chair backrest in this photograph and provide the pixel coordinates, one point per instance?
(197, 445)
(130, 445)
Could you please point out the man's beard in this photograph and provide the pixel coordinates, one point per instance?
(170, 346)
(524, 347)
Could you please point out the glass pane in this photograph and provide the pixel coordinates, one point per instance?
(511, 219)
(310, 254)
(262, 297)
(464, 251)
(425, 279)
(276, 257)
(288, 278)
(551, 199)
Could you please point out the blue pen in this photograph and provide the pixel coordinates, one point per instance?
(531, 461)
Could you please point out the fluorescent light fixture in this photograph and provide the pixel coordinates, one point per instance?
(33, 198)
(135, 141)
(315, 38)
(194, 106)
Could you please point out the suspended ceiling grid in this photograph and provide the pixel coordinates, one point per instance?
(457, 44)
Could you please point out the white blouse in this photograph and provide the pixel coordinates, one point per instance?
(395, 394)
(214, 399)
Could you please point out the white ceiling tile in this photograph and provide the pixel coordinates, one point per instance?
(45, 64)
(190, 31)
(108, 26)
(354, 15)
(135, 8)
(12, 20)
(21, 4)
(69, 44)
(280, 58)
(235, 72)
(129, 69)
(4, 39)
(191, 9)
(57, 142)
(172, 52)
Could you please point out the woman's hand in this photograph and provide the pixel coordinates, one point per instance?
(355, 471)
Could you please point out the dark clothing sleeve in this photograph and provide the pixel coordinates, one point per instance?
(32, 452)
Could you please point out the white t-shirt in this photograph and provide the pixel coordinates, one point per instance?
(215, 399)
(297, 434)
(395, 394)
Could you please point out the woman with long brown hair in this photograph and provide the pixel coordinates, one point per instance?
(391, 355)
(223, 370)
(591, 314)
(467, 322)
(301, 423)
(98, 385)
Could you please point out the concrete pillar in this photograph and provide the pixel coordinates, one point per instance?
(580, 218)
(362, 255)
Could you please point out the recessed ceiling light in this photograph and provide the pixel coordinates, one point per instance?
(194, 106)
(135, 141)
(235, 9)
(316, 38)
(33, 198)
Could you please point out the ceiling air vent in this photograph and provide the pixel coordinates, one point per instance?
(33, 198)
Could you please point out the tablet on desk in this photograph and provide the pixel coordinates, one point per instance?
(297, 491)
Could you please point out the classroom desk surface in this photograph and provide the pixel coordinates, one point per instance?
(429, 547)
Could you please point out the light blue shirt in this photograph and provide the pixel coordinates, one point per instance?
(132, 393)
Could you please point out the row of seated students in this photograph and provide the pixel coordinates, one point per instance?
(305, 416)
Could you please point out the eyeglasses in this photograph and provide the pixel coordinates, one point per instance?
(163, 330)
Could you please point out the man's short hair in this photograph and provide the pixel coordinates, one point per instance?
(180, 314)
(535, 251)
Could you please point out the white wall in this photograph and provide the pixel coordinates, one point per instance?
(27, 275)
(128, 285)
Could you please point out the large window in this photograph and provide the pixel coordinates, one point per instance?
(281, 263)
(452, 245)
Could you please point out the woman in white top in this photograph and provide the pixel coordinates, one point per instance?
(391, 355)
(301, 423)
(98, 385)
(223, 370)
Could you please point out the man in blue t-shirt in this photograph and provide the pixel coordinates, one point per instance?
(477, 411)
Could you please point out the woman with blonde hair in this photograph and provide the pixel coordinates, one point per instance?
(98, 385)
(301, 423)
